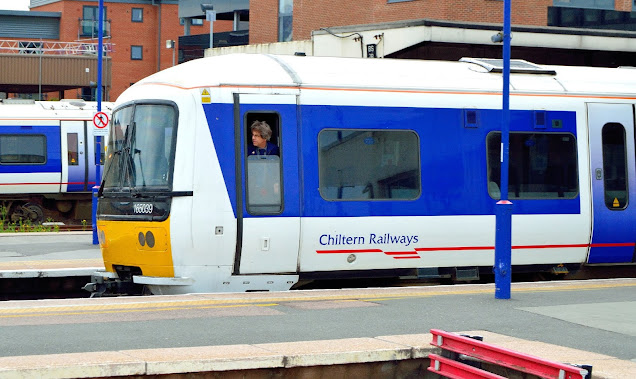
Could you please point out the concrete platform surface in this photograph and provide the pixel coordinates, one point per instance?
(283, 355)
(48, 254)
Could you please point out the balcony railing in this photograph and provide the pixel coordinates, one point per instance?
(50, 47)
(90, 28)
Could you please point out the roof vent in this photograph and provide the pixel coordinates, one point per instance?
(517, 66)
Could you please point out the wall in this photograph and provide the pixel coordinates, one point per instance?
(315, 14)
(125, 33)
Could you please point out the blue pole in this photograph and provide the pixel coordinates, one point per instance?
(503, 208)
(100, 48)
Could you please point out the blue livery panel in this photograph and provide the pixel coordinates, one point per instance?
(452, 154)
(53, 161)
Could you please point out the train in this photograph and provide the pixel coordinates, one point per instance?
(47, 160)
(386, 169)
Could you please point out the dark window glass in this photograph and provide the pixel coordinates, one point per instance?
(141, 148)
(22, 149)
(137, 15)
(285, 20)
(119, 130)
(136, 53)
(102, 148)
(72, 149)
(193, 21)
(369, 164)
(541, 166)
(615, 166)
(90, 21)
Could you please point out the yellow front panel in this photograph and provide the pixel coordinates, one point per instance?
(137, 243)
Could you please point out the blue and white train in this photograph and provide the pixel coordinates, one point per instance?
(47, 159)
(386, 167)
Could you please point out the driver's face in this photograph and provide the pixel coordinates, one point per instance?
(257, 140)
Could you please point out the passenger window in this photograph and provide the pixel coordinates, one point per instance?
(22, 149)
(263, 163)
(359, 165)
(614, 166)
(72, 149)
(541, 166)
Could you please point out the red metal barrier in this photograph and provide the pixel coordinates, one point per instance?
(504, 357)
(457, 370)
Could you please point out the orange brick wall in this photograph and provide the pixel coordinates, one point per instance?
(126, 33)
(623, 5)
(315, 14)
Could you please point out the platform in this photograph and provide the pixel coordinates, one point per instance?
(48, 254)
(585, 322)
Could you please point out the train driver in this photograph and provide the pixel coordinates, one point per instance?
(261, 133)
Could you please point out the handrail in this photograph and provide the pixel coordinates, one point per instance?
(507, 358)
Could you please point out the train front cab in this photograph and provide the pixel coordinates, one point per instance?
(136, 195)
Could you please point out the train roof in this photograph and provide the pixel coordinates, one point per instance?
(63, 109)
(473, 75)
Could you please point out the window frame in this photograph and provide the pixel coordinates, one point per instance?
(141, 52)
(140, 12)
(267, 116)
(498, 172)
(607, 162)
(44, 152)
(417, 170)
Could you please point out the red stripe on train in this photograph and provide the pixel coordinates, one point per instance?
(414, 254)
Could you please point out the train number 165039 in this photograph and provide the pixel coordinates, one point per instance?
(143, 208)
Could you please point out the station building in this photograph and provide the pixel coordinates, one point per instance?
(52, 49)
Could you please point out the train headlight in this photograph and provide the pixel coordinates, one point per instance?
(150, 239)
(155, 239)
(101, 237)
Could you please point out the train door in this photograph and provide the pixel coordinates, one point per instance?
(269, 221)
(611, 129)
(74, 156)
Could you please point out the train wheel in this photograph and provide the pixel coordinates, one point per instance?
(29, 211)
(34, 212)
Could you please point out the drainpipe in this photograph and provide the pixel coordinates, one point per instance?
(158, 5)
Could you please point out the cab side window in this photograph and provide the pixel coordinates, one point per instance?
(263, 163)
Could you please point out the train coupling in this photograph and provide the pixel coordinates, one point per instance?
(104, 283)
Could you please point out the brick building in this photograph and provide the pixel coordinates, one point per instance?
(270, 18)
(137, 30)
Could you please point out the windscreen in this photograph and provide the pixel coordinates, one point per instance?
(140, 152)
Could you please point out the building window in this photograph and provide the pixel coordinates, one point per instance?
(193, 21)
(285, 12)
(22, 149)
(359, 165)
(541, 166)
(90, 22)
(136, 53)
(137, 15)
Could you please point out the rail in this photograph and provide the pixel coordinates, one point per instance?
(52, 47)
(495, 355)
